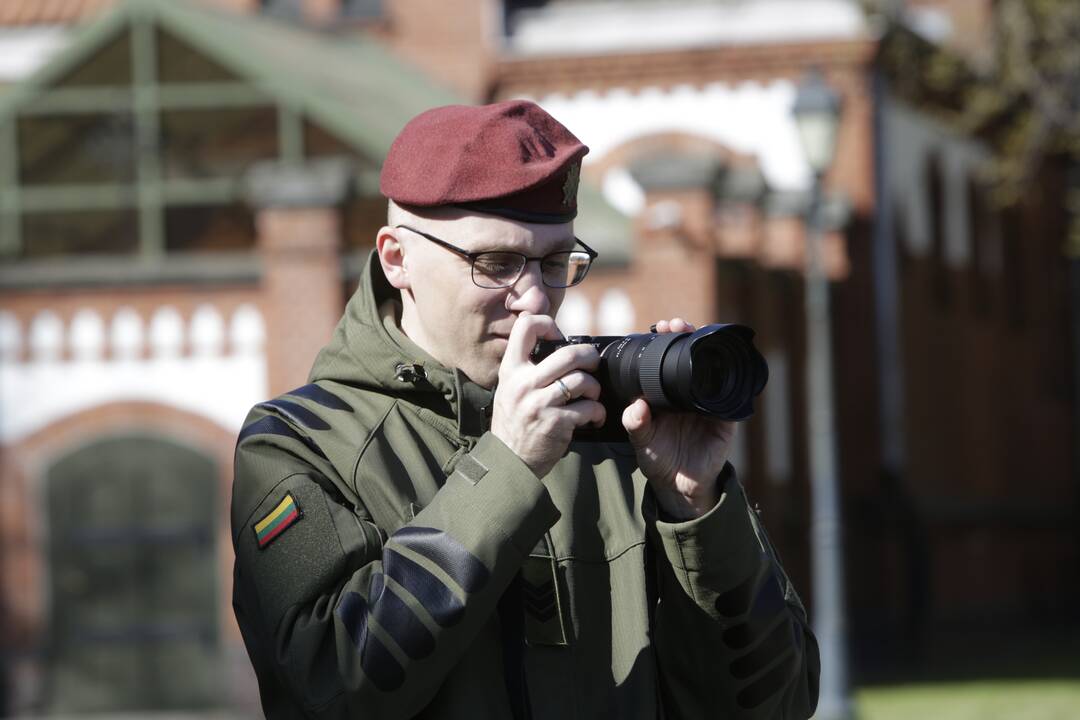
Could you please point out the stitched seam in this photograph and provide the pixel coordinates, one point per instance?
(685, 570)
(367, 442)
(606, 559)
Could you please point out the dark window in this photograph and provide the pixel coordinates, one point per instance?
(361, 219)
(217, 143)
(110, 65)
(76, 149)
(209, 228)
(178, 62)
(319, 142)
(80, 232)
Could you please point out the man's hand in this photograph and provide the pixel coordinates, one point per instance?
(681, 454)
(538, 406)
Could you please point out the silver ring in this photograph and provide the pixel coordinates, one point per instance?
(565, 390)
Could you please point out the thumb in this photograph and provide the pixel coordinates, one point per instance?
(637, 419)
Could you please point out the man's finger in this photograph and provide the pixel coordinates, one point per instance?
(526, 331)
(680, 325)
(585, 412)
(637, 419)
(566, 360)
(578, 384)
(673, 325)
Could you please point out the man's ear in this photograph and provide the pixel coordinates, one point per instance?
(392, 258)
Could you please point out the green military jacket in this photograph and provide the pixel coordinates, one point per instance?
(394, 559)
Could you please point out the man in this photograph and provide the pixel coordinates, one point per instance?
(417, 536)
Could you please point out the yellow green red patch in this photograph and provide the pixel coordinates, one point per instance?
(277, 521)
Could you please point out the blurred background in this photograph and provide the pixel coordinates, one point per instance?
(189, 188)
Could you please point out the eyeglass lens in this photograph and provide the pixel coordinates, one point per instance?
(558, 270)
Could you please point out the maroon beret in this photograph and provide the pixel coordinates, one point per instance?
(510, 159)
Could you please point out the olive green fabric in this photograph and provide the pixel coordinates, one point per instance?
(429, 573)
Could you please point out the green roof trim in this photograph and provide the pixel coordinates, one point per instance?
(352, 86)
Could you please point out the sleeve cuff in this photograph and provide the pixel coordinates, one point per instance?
(722, 536)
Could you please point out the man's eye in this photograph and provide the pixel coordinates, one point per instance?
(555, 264)
(495, 265)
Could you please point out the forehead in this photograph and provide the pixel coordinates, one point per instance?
(478, 233)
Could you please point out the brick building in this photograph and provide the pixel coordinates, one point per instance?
(187, 193)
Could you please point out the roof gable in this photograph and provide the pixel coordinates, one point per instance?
(352, 87)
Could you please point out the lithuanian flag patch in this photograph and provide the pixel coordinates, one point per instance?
(277, 521)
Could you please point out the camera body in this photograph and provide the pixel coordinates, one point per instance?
(714, 371)
(612, 429)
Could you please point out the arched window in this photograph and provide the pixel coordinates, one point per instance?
(133, 578)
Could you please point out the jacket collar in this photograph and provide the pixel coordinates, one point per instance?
(370, 350)
(470, 403)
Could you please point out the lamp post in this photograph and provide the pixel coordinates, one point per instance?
(817, 115)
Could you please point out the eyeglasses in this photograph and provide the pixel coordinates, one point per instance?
(502, 268)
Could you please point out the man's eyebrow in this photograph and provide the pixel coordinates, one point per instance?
(558, 246)
(563, 245)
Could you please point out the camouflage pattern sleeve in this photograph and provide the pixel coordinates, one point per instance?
(732, 638)
(341, 621)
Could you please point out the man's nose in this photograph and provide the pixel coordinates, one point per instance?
(529, 292)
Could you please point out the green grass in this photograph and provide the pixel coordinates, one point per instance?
(976, 700)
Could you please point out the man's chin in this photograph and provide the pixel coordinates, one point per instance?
(486, 376)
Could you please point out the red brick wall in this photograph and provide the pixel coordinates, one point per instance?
(301, 288)
(451, 41)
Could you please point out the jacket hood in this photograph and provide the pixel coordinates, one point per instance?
(369, 351)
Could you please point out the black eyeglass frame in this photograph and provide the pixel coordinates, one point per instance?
(471, 257)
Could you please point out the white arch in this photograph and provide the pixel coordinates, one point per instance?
(87, 336)
(247, 332)
(207, 331)
(46, 336)
(166, 332)
(126, 335)
(750, 118)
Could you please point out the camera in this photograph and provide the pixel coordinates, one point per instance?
(714, 371)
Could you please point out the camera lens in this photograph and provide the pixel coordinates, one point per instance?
(715, 371)
(726, 371)
(707, 375)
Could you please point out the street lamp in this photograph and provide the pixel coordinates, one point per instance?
(817, 115)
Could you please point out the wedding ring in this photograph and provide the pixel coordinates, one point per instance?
(565, 390)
